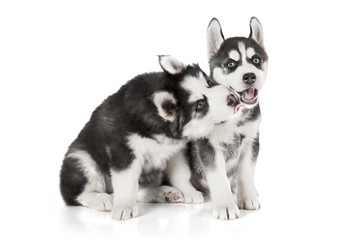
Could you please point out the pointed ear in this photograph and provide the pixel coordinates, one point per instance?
(166, 105)
(215, 37)
(256, 31)
(170, 64)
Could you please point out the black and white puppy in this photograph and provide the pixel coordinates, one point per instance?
(226, 158)
(125, 146)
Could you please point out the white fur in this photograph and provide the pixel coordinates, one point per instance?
(171, 64)
(247, 195)
(96, 200)
(234, 79)
(156, 151)
(197, 86)
(224, 206)
(224, 133)
(158, 99)
(245, 190)
(93, 195)
(257, 32)
(234, 55)
(242, 184)
(125, 184)
(90, 169)
(250, 52)
(214, 37)
(162, 194)
(179, 175)
(218, 109)
(226, 80)
(196, 128)
(242, 50)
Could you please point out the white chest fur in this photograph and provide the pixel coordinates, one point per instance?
(232, 138)
(224, 133)
(154, 152)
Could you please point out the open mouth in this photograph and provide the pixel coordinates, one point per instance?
(249, 96)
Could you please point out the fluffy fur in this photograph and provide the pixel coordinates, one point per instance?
(122, 153)
(224, 162)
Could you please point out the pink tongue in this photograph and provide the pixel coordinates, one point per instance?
(238, 107)
(249, 94)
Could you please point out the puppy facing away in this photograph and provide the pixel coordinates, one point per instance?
(121, 154)
(224, 161)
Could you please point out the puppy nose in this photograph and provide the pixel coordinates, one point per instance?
(232, 100)
(249, 78)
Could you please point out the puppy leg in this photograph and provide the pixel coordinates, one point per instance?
(125, 185)
(179, 174)
(247, 195)
(82, 182)
(161, 194)
(224, 206)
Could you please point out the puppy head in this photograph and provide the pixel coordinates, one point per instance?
(239, 63)
(194, 104)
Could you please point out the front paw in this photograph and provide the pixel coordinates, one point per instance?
(170, 195)
(227, 213)
(249, 202)
(194, 197)
(123, 213)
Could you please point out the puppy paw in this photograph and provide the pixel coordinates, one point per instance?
(226, 213)
(97, 201)
(249, 203)
(173, 196)
(105, 202)
(248, 199)
(123, 213)
(194, 197)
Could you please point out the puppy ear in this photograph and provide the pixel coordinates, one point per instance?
(165, 103)
(215, 37)
(170, 64)
(256, 31)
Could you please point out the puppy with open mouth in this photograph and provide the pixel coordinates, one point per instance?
(224, 162)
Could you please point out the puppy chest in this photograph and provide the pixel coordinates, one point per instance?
(155, 151)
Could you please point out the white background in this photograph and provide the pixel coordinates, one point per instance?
(60, 59)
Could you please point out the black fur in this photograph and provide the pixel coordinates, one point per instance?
(250, 114)
(153, 177)
(206, 152)
(232, 150)
(201, 157)
(72, 181)
(255, 148)
(196, 165)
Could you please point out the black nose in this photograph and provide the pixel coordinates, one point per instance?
(232, 100)
(249, 78)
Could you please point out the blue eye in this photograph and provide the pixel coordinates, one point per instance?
(230, 64)
(256, 60)
(200, 105)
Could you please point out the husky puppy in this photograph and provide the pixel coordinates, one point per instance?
(124, 147)
(226, 158)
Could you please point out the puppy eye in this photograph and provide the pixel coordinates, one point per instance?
(200, 105)
(256, 60)
(231, 64)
